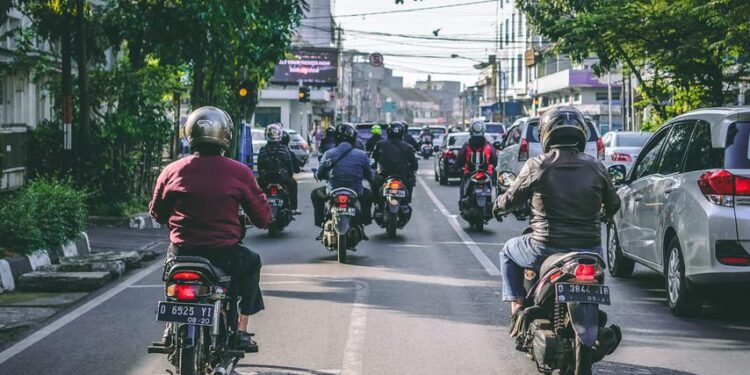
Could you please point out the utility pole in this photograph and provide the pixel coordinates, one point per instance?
(340, 88)
(632, 104)
(67, 88)
(609, 100)
(83, 94)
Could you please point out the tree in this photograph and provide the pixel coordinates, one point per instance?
(688, 46)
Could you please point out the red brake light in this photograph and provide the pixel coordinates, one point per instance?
(616, 156)
(600, 149)
(305, 146)
(274, 190)
(183, 292)
(449, 154)
(395, 185)
(720, 187)
(735, 261)
(585, 272)
(555, 276)
(523, 150)
(480, 175)
(186, 276)
(343, 199)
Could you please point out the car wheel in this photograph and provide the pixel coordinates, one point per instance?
(618, 264)
(437, 174)
(443, 178)
(681, 299)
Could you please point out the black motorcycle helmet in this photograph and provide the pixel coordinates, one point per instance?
(285, 138)
(396, 130)
(563, 127)
(330, 132)
(346, 133)
(209, 126)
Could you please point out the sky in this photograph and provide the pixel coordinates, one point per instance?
(474, 22)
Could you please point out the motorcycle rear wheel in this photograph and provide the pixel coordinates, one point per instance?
(341, 245)
(583, 360)
(191, 361)
(391, 226)
(273, 230)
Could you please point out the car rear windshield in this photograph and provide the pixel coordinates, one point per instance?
(533, 132)
(495, 128)
(737, 152)
(296, 137)
(457, 140)
(632, 140)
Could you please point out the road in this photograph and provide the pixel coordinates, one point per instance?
(427, 302)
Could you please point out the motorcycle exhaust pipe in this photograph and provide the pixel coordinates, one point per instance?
(609, 339)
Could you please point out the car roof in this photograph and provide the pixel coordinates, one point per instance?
(719, 118)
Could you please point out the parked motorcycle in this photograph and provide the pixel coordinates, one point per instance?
(393, 212)
(560, 325)
(476, 204)
(342, 228)
(425, 150)
(201, 309)
(281, 212)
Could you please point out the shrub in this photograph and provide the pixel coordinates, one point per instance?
(45, 215)
(19, 230)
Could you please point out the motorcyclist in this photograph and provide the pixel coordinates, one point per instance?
(394, 157)
(425, 137)
(376, 137)
(476, 154)
(328, 142)
(568, 190)
(343, 166)
(199, 198)
(285, 140)
(276, 164)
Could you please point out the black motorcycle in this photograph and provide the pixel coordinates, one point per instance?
(560, 325)
(201, 309)
(342, 228)
(393, 212)
(281, 212)
(425, 150)
(476, 204)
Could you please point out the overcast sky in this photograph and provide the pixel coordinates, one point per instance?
(469, 21)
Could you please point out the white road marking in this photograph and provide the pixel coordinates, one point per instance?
(475, 243)
(475, 250)
(416, 246)
(355, 341)
(69, 317)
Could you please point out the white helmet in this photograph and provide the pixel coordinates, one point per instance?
(476, 128)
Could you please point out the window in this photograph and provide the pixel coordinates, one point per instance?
(267, 115)
(513, 27)
(603, 96)
(674, 148)
(512, 68)
(578, 97)
(632, 139)
(701, 155)
(649, 155)
(737, 155)
(507, 31)
(513, 137)
(607, 140)
(520, 25)
(519, 67)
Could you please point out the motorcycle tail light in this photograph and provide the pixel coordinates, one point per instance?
(600, 149)
(523, 150)
(585, 272)
(274, 190)
(480, 175)
(555, 276)
(343, 201)
(395, 185)
(186, 292)
(186, 276)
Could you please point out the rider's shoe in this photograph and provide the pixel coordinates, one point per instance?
(320, 236)
(246, 343)
(296, 212)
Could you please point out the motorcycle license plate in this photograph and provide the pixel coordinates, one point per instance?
(482, 192)
(188, 313)
(349, 211)
(567, 292)
(276, 202)
(397, 193)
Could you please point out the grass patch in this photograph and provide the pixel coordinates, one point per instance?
(8, 298)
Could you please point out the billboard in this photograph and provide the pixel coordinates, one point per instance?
(312, 66)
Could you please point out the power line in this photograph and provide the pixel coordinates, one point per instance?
(421, 37)
(403, 10)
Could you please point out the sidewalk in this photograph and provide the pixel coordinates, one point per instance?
(21, 311)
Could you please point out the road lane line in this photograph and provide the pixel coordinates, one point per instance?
(69, 317)
(355, 341)
(475, 250)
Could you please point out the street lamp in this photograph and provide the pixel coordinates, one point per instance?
(480, 64)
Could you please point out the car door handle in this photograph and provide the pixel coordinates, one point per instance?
(669, 190)
(638, 198)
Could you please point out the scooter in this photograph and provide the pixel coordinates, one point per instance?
(560, 324)
(342, 229)
(425, 150)
(281, 213)
(394, 212)
(476, 204)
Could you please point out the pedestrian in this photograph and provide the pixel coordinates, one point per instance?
(317, 137)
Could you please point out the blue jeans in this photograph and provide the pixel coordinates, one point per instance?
(523, 252)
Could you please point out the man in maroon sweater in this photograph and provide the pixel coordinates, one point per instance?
(199, 197)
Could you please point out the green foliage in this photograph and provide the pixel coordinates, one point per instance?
(693, 46)
(48, 213)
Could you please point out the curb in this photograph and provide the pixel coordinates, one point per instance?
(12, 268)
(143, 220)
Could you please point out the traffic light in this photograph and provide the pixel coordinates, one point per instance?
(246, 92)
(304, 94)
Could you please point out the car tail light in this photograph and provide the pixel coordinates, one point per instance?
(274, 190)
(305, 146)
(449, 154)
(600, 149)
(720, 187)
(585, 272)
(395, 185)
(186, 276)
(523, 150)
(732, 253)
(616, 156)
(186, 292)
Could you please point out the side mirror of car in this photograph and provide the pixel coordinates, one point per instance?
(617, 174)
(497, 145)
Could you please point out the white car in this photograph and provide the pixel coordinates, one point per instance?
(521, 143)
(259, 140)
(623, 147)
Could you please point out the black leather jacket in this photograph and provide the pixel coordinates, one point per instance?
(395, 157)
(275, 158)
(568, 190)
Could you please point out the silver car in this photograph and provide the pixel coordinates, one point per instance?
(299, 147)
(521, 142)
(623, 147)
(686, 206)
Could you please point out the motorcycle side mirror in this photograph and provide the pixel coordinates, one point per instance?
(435, 148)
(617, 174)
(497, 145)
(505, 178)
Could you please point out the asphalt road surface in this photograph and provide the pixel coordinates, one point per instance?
(427, 302)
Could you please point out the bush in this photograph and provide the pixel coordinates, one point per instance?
(45, 215)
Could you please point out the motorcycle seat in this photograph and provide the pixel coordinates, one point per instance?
(343, 190)
(557, 260)
(200, 264)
